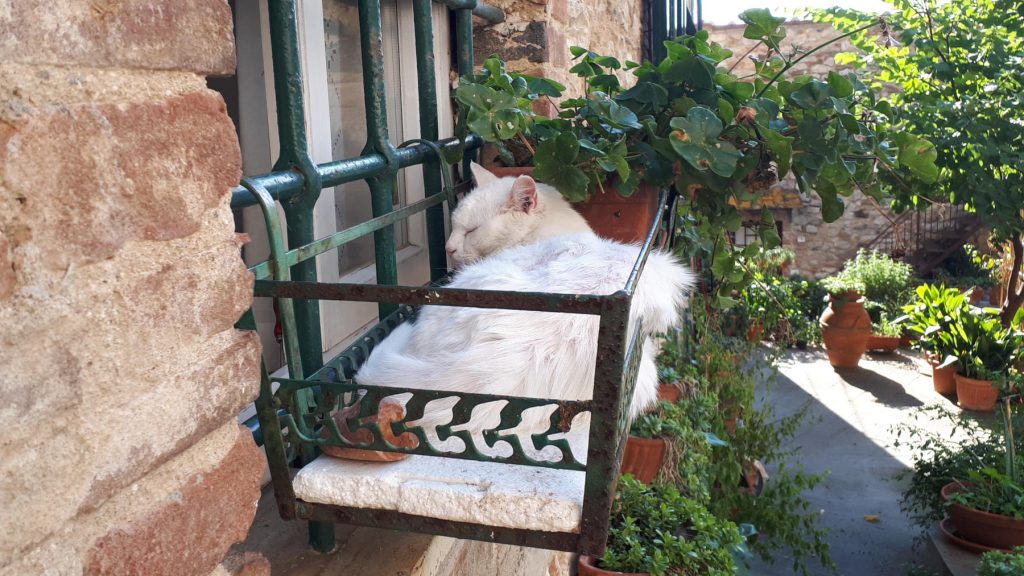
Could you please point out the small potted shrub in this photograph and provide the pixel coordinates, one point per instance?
(987, 507)
(657, 442)
(931, 317)
(656, 530)
(996, 563)
(985, 352)
(886, 335)
(845, 324)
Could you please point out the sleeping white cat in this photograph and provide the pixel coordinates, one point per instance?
(524, 353)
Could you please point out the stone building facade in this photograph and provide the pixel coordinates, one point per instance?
(120, 281)
(820, 248)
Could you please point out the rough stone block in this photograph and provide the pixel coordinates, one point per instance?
(188, 532)
(77, 183)
(194, 35)
(244, 564)
(529, 43)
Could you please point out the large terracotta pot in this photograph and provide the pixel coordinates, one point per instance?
(643, 458)
(845, 329)
(623, 219)
(586, 567)
(944, 379)
(610, 215)
(979, 395)
(994, 530)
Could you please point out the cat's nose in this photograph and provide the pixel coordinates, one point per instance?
(450, 251)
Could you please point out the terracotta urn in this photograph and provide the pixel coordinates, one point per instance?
(977, 395)
(985, 528)
(845, 329)
(643, 458)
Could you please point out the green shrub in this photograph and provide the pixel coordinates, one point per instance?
(996, 563)
(657, 530)
(885, 283)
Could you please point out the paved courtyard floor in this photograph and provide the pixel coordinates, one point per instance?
(849, 432)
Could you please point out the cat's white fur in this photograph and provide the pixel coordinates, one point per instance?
(523, 353)
(504, 212)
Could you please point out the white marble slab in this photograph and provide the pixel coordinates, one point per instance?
(510, 496)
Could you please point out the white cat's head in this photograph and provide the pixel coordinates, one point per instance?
(498, 213)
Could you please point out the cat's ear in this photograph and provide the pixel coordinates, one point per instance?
(482, 175)
(524, 195)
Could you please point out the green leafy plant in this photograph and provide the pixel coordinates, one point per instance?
(689, 122)
(886, 283)
(998, 563)
(940, 458)
(658, 531)
(982, 347)
(956, 73)
(931, 316)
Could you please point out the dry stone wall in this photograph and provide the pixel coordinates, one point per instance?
(120, 281)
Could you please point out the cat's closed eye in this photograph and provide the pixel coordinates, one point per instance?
(471, 230)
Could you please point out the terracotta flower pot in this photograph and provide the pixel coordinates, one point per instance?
(976, 295)
(643, 458)
(883, 343)
(994, 530)
(944, 379)
(670, 392)
(979, 395)
(845, 329)
(585, 566)
(610, 215)
(755, 331)
(617, 218)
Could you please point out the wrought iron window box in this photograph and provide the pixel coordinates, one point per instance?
(296, 417)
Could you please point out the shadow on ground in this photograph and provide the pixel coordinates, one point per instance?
(846, 433)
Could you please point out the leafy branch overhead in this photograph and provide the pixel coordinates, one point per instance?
(723, 141)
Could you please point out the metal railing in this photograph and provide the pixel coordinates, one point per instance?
(924, 238)
(666, 19)
(298, 417)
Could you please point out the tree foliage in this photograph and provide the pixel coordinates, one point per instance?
(958, 69)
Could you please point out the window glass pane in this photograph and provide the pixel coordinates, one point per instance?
(348, 116)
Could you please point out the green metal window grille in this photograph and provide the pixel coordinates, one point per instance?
(296, 418)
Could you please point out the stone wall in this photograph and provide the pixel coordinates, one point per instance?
(536, 35)
(820, 248)
(120, 281)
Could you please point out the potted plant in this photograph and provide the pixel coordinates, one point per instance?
(719, 140)
(845, 324)
(987, 507)
(886, 335)
(997, 563)
(931, 318)
(985, 352)
(657, 442)
(658, 531)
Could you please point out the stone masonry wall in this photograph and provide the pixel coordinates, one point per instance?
(536, 35)
(820, 248)
(120, 280)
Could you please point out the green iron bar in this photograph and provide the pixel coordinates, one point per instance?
(284, 185)
(464, 47)
(422, 21)
(382, 185)
(291, 128)
(313, 249)
(491, 14)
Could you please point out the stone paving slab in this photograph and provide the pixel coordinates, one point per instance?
(848, 432)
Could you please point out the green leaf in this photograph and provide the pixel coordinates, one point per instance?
(761, 25)
(691, 71)
(811, 96)
(841, 87)
(781, 148)
(577, 51)
(554, 165)
(544, 87)
(918, 155)
(612, 113)
(647, 93)
(695, 139)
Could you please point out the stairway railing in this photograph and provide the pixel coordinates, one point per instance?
(923, 238)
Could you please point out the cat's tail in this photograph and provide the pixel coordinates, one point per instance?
(662, 292)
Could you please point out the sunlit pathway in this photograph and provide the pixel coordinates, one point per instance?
(849, 433)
